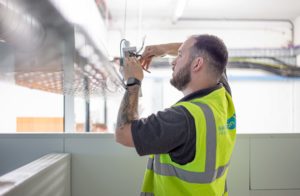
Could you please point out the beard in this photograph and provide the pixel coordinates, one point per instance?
(182, 78)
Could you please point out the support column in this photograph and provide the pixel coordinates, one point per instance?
(87, 105)
(7, 61)
(68, 79)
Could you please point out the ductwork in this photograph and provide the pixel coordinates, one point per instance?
(19, 29)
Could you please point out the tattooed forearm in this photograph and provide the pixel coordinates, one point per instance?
(129, 105)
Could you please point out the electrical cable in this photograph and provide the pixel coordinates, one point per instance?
(125, 19)
(282, 68)
(143, 43)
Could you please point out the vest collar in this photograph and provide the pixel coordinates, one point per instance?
(201, 93)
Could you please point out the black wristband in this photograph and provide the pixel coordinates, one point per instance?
(133, 81)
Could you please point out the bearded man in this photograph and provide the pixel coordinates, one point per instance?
(190, 144)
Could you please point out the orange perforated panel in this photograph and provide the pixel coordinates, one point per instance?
(40, 124)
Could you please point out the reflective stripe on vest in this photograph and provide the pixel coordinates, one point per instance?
(210, 174)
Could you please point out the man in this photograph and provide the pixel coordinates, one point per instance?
(190, 144)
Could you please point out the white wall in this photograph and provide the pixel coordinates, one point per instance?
(297, 36)
(261, 164)
(297, 30)
(266, 104)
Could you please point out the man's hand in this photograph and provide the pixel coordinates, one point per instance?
(158, 51)
(149, 53)
(133, 68)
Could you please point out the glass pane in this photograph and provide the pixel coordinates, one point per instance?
(79, 109)
(28, 110)
(98, 114)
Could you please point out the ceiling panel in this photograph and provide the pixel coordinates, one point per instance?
(158, 9)
(153, 8)
(266, 9)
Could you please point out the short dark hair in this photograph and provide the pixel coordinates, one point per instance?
(213, 50)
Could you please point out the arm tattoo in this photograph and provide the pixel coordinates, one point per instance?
(129, 105)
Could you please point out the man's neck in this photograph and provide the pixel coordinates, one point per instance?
(190, 88)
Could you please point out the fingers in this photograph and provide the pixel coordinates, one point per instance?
(129, 61)
(135, 61)
(147, 56)
(132, 61)
(148, 52)
(132, 68)
(145, 62)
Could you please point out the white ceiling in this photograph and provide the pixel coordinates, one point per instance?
(157, 10)
(266, 9)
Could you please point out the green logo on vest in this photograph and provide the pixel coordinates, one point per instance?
(231, 123)
(230, 126)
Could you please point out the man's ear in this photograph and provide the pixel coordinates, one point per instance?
(197, 64)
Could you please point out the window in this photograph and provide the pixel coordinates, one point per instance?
(29, 110)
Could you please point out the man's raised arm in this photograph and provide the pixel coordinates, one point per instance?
(128, 111)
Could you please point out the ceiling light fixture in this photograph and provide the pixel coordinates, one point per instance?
(179, 8)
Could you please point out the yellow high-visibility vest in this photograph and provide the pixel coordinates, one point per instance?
(215, 124)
